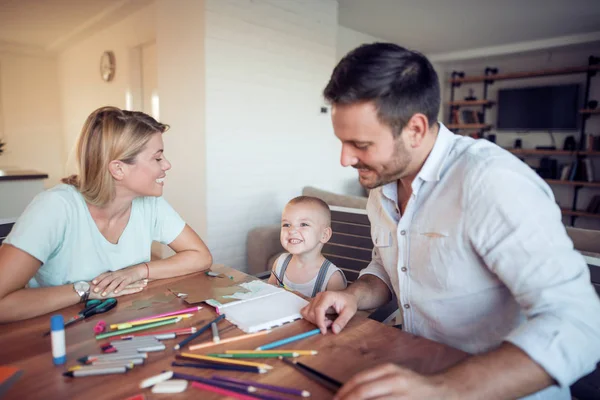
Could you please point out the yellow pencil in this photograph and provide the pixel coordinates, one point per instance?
(125, 325)
(300, 352)
(228, 340)
(226, 361)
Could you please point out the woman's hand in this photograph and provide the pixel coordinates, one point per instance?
(124, 281)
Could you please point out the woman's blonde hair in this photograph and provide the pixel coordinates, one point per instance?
(108, 134)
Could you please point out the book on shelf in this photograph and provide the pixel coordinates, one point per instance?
(564, 172)
(589, 169)
(594, 205)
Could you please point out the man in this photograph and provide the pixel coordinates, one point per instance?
(467, 236)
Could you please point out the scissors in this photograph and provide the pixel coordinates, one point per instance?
(92, 307)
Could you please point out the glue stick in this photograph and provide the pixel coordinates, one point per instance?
(57, 331)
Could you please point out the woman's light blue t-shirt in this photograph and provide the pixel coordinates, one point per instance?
(58, 229)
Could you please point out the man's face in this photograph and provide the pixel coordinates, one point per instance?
(369, 145)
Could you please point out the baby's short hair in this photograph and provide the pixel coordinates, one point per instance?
(323, 207)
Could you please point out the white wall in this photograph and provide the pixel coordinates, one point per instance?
(531, 62)
(82, 89)
(31, 120)
(181, 89)
(267, 63)
(349, 39)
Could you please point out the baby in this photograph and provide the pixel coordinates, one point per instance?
(305, 228)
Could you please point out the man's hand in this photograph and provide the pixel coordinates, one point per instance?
(342, 303)
(390, 381)
(115, 282)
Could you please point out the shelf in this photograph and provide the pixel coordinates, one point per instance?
(589, 111)
(467, 103)
(522, 75)
(573, 183)
(469, 126)
(536, 152)
(579, 213)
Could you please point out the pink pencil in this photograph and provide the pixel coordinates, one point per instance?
(187, 310)
(224, 392)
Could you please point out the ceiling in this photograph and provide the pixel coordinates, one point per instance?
(45, 25)
(443, 26)
(430, 26)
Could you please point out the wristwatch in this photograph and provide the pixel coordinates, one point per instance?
(82, 288)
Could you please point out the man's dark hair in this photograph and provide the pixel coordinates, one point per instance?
(400, 82)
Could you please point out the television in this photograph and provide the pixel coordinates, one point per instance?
(540, 108)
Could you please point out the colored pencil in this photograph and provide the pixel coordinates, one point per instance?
(229, 340)
(315, 375)
(221, 360)
(184, 311)
(137, 328)
(289, 340)
(300, 352)
(218, 367)
(254, 355)
(229, 386)
(280, 389)
(224, 392)
(198, 333)
(177, 332)
(127, 325)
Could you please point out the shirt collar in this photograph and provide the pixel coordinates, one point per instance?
(432, 169)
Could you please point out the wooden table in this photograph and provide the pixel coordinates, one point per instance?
(362, 344)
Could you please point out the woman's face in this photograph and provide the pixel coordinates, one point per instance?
(146, 176)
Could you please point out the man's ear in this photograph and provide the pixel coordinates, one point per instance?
(416, 129)
(326, 235)
(116, 170)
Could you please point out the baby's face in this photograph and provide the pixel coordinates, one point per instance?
(302, 228)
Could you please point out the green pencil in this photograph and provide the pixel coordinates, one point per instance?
(253, 355)
(138, 328)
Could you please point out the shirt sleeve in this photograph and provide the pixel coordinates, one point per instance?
(168, 224)
(515, 226)
(40, 230)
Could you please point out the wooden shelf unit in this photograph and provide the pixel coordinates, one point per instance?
(573, 183)
(522, 75)
(470, 103)
(576, 213)
(590, 111)
(469, 126)
(537, 152)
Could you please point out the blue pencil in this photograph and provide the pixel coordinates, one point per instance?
(198, 332)
(289, 340)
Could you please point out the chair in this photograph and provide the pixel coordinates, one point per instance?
(350, 249)
(5, 227)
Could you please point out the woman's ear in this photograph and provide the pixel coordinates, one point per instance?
(116, 170)
(326, 235)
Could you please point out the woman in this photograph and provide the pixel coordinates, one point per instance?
(91, 236)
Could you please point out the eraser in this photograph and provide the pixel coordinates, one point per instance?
(153, 380)
(171, 386)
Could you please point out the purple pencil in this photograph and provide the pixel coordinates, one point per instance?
(280, 389)
(186, 311)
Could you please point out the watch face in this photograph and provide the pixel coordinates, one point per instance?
(81, 286)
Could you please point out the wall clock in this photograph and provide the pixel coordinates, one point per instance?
(107, 66)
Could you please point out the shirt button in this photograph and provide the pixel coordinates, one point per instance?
(403, 233)
(407, 306)
(404, 269)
